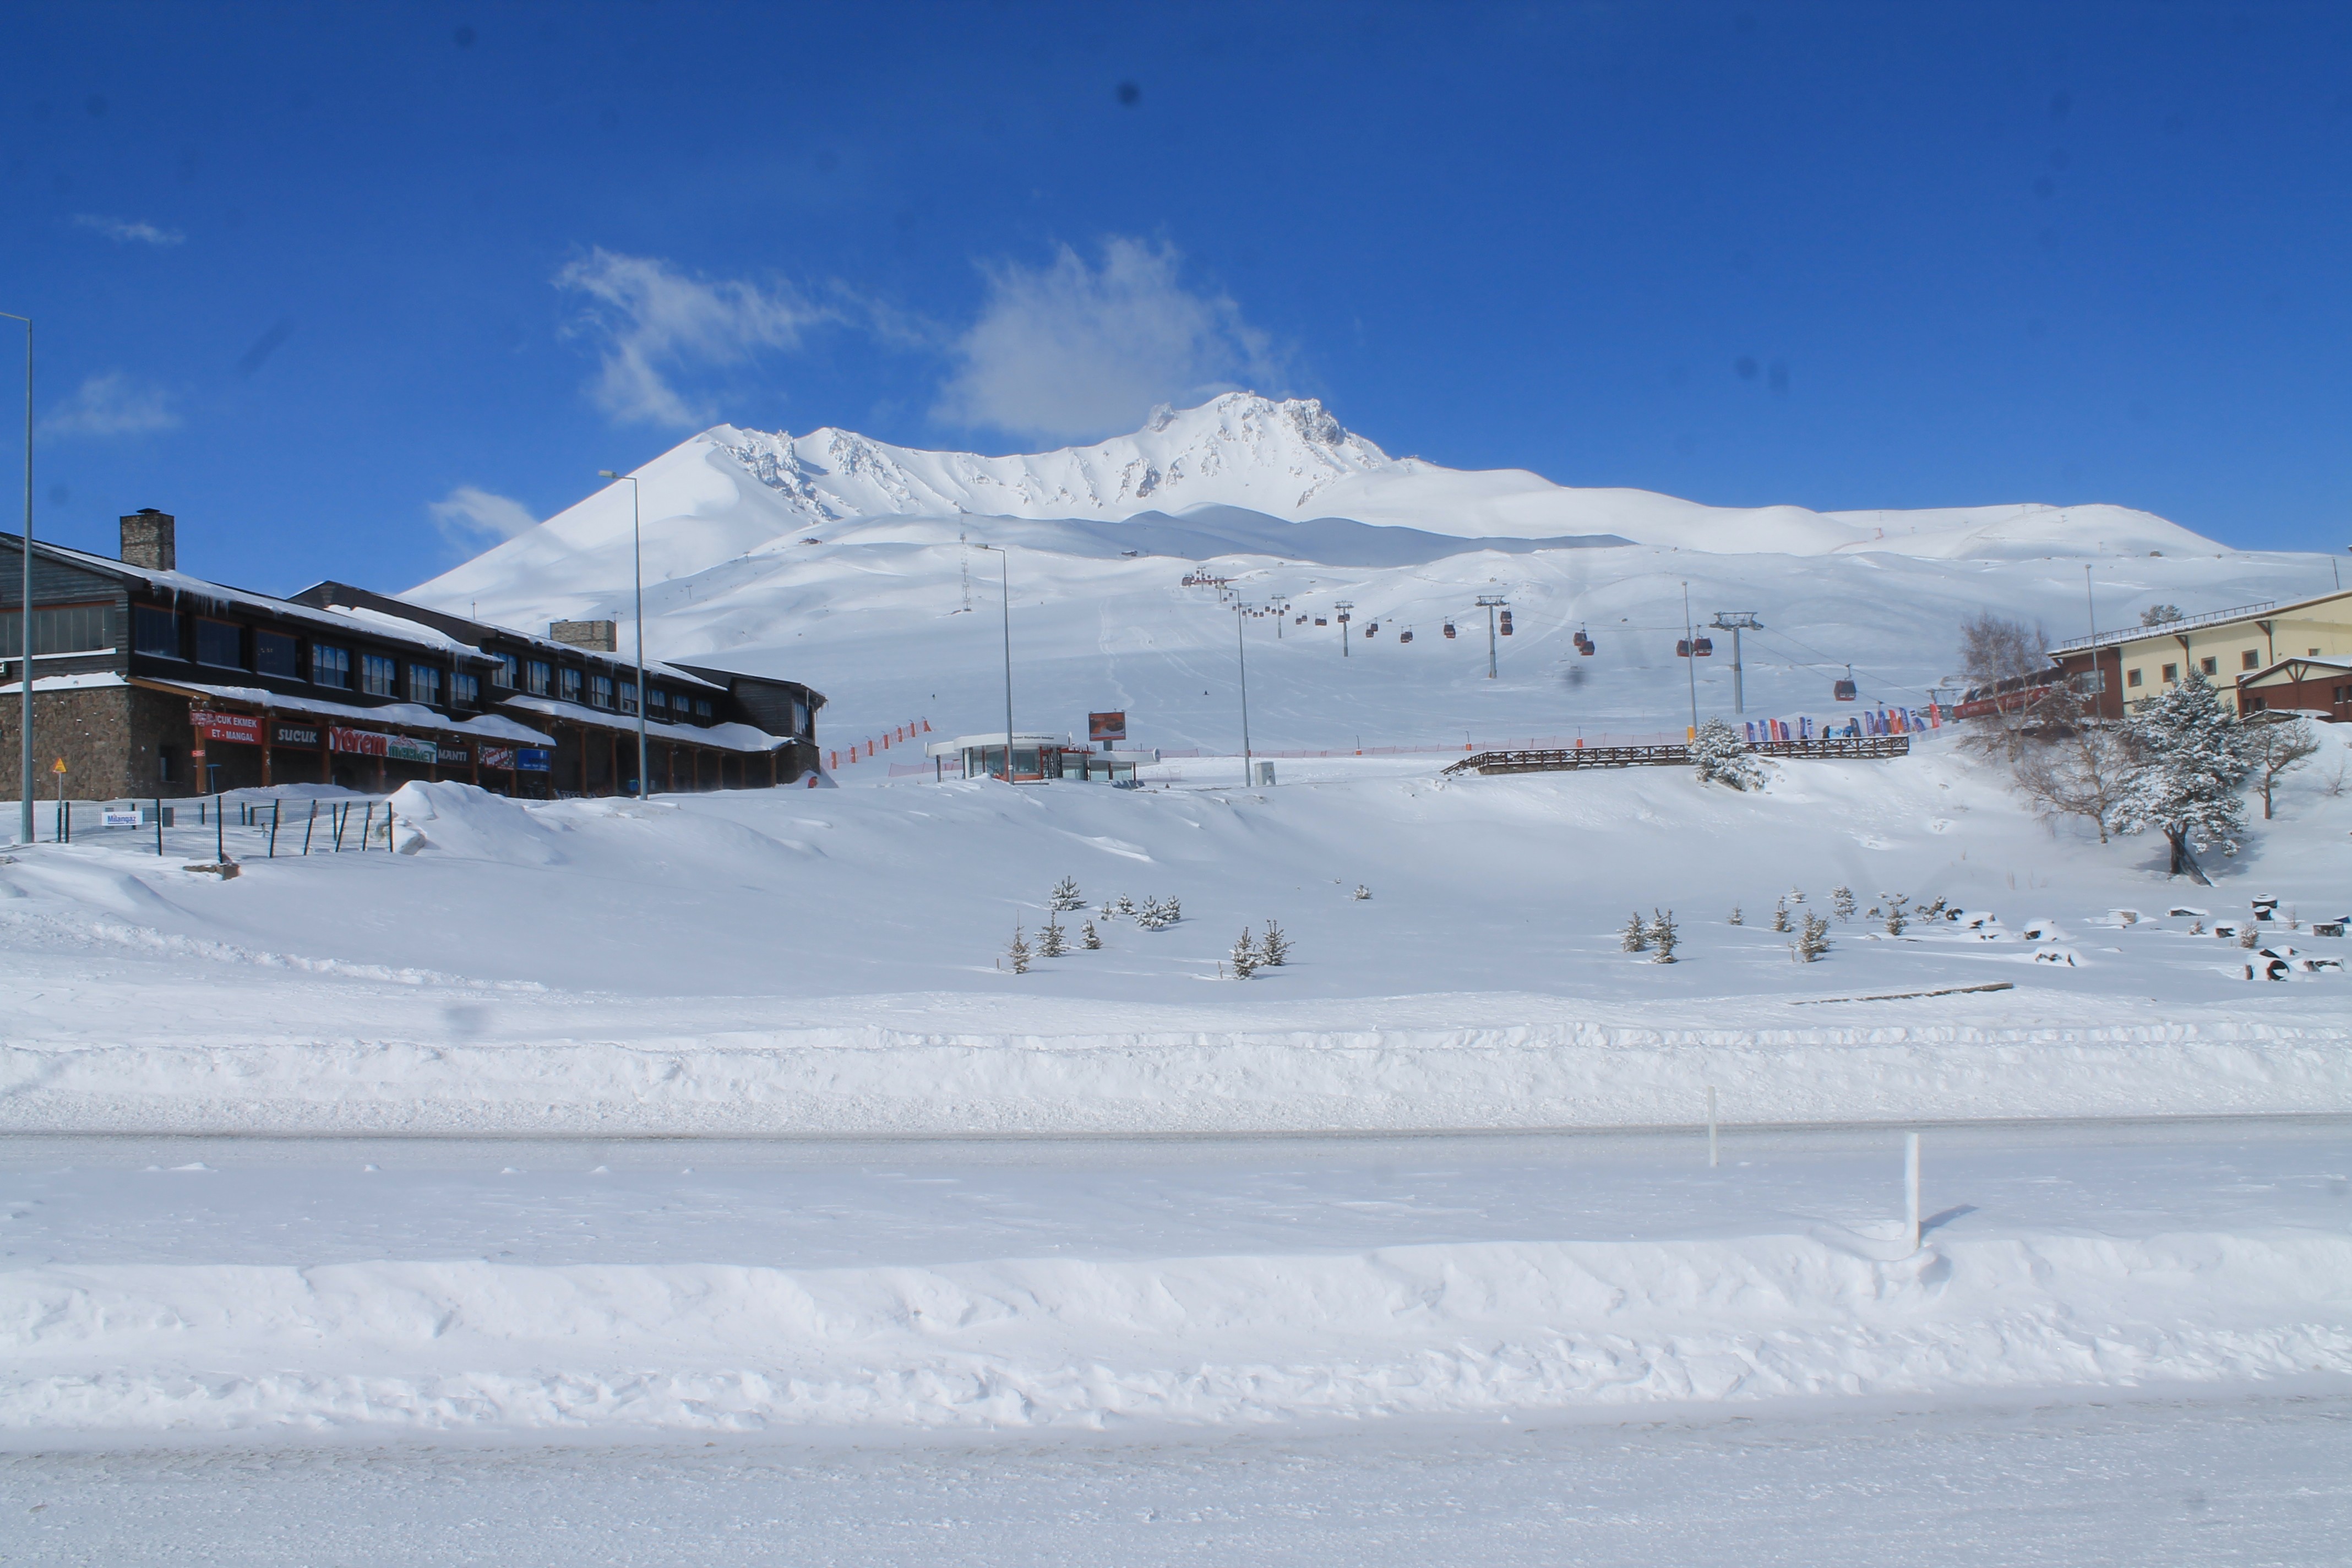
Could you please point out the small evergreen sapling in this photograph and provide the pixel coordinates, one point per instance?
(1019, 952)
(1780, 917)
(1737, 919)
(1663, 935)
(1841, 899)
(1273, 948)
(1125, 906)
(1064, 896)
(1719, 755)
(1362, 891)
(1088, 937)
(1812, 941)
(1896, 916)
(1635, 938)
(1051, 943)
(1243, 956)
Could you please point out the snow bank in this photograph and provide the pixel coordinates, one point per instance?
(1428, 1329)
(463, 820)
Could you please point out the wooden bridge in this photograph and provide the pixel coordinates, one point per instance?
(1669, 757)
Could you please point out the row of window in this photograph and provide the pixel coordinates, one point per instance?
(222, 644)
(2248, 659)
(61, 628)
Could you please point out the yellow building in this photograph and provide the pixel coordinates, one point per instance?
(2247, 643)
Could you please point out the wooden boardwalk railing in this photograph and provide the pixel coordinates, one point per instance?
(1552, 761)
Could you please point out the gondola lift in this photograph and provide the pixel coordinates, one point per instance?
(1372, 630)
(1703, 647)
(1505, 627)
(1405, 635)
(1682, 648)
(1845, 690)
(1449, 628)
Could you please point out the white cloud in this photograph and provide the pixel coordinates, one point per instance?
(127, 231)
(1073, 352)
(113, 404)
(472, 516)
(653, 322)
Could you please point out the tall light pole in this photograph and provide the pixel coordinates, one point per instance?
(1490, 603)
(1004, 580)
(25, 600)
(1241, 650)
(637, 552)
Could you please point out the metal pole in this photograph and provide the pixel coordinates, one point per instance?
(1005, 581)
(1489, 602)
(1240, 648)
(25, 600)
(1739, 677)
(2090, 607)
(1690, 657)
(637, 552)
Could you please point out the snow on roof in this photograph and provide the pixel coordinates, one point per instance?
(402, 624)
(992, 738)
(728, 737)
(413, 715)
(177, 583)
(91, 681)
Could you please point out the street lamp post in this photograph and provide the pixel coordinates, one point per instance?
(25, 601)
(1005, 581)
(637, 553)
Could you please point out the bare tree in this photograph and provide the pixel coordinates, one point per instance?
(2276, 744)
(1994, 649)
(2159, 615)
(2072, 764)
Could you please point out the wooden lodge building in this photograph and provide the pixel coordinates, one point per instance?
(2267, 656)
(150, 682)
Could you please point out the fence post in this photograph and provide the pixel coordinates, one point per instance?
(312, 823)
(277, 810)
(159, 828)
(1911, 1185)
(220, 834)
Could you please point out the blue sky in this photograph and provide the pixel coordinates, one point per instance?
(352, 289)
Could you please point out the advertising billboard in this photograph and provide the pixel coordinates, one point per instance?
(1102, 726)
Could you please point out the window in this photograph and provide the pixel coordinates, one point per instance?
(330, 666)
(425, 685)
(509, 673)
(220, 643)
(2132, 680)
(64, 628)
(656, 700)
(2171, 674)
(2094, 680)
(628, 697)
(379, 676)
(702, 707)
(2250, 660)
(154, 632)
(274, 653)
(167, 763)
(535, 676)
(2209, 666)
(600, 691)
(569, 684)
(465, 690)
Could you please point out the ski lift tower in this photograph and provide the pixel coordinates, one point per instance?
(1342, 607)
(1490, 603)
(1734, 622)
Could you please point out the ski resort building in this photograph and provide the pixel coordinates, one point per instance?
(148, 682)
(2265, 656)
(1036, 757)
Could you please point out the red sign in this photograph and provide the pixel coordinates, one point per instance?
(360, 742)
(243, 728)
(498, 756)
(1106, 727)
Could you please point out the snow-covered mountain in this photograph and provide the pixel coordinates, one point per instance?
(731, 493)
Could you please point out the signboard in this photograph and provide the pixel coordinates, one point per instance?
(456, 758)
(498, 756)
(1106, 727)
(531, 759)
(118, 818)
(403, 749)
(359, 742)
(294, 735)
(242, 727)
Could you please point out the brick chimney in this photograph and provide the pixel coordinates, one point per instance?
(599, 637)
(149, 540)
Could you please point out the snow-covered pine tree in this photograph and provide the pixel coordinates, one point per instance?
(1841, 899)
(1796, 895)
(1125, 906)
(1780, 916)
(1050, 941)
(1736, 917)
(1663, 935)
(2193, 760)
(1064, 896)
(1719, 755)
(1813, 939)
(1088, 938)
(1896, 916)
(1170, 911)
(1274, 947)
(1243, 956)
(1019, 952)
(1934, 911)
(1147, 916)
(1635, 937)
(1362, 891)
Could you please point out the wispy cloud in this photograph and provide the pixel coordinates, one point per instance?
(472, 517)
(1073, 352)
(655, 325)
(128, 231)
(112, 404)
